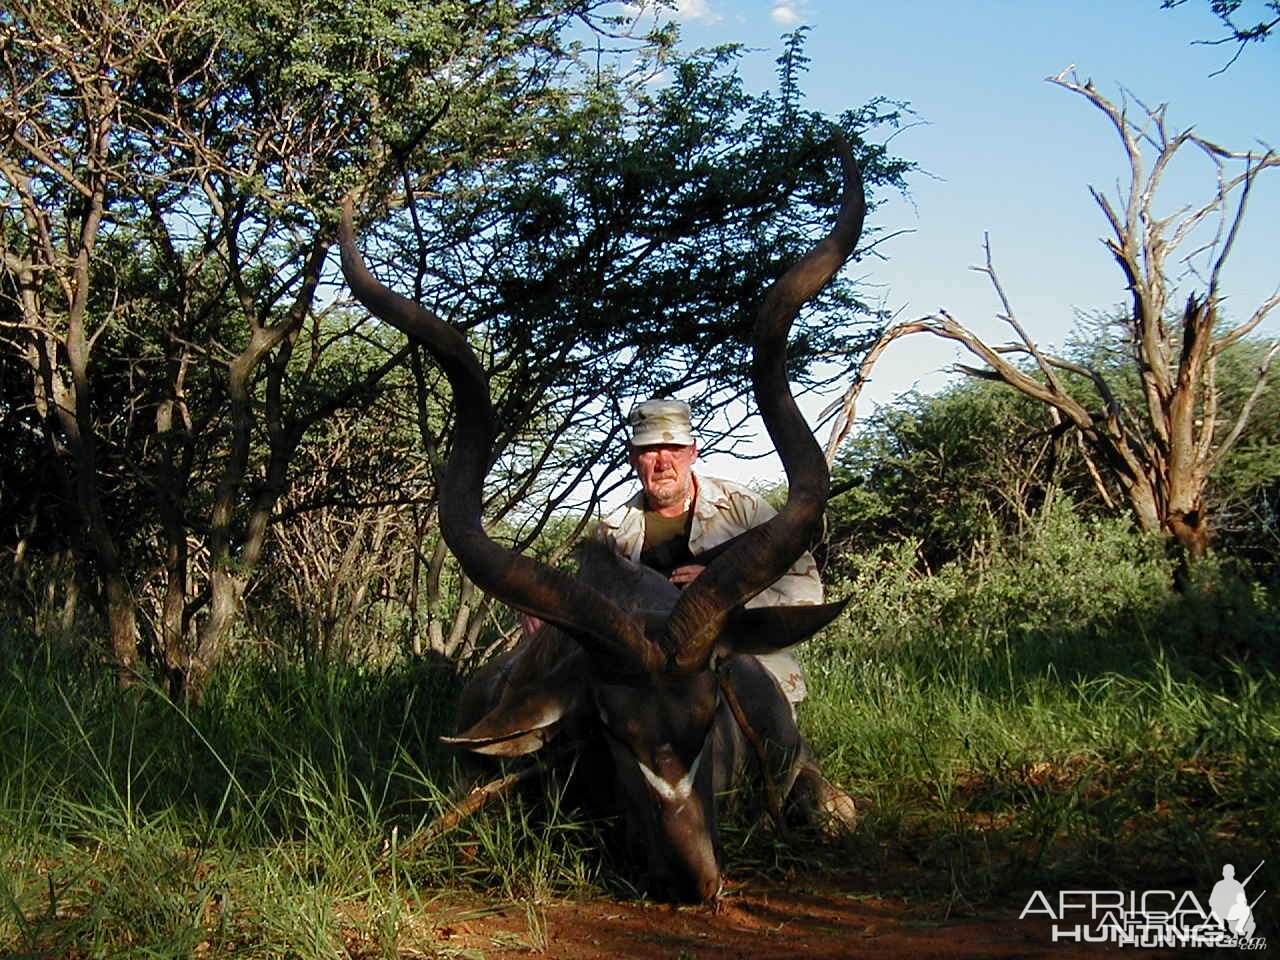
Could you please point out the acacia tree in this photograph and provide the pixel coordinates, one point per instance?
(620, 257)
(168, 173)
(1155, 456)
(163, 284)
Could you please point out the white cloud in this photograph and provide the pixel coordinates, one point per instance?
(686, 10)
(786, 13)
(697, 10)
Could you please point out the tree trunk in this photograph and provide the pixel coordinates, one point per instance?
(1192, 532)
(226, 590)
(122, 622)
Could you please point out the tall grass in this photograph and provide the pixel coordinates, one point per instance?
(1052, 707)
(264, 824)
(1048, 710)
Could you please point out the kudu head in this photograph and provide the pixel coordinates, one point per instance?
(641, 662)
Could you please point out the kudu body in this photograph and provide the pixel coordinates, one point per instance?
(632, 672)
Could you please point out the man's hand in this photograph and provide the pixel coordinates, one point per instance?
(683, 576)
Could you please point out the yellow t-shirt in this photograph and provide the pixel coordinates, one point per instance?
(666, 541)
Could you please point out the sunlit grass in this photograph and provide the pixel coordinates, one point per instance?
(998, 729)
(265, 824)
(1056, 709)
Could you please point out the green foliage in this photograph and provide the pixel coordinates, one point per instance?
(1033, 714)
(1046, 706)
(975, 461)
(1062, 587)
(1246, 485)
(165, 269)
(980, 460)
(624, 251)
(1239, 23)
(600, 236)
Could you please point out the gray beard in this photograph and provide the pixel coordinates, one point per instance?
(672, 498)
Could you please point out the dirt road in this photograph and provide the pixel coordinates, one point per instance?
(759, 923)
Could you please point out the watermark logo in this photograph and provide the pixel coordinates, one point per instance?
(1155, 918)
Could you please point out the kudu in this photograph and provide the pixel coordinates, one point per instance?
(632, 671)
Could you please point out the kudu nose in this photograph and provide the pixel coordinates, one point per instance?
(695, 875)
(701, 887)
(709, 888)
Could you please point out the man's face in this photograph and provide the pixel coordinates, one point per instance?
(666, 472)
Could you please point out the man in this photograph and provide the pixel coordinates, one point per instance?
(1225, 894)
(672, 521)
(679, 515)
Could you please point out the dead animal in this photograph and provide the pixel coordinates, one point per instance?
(653, 685)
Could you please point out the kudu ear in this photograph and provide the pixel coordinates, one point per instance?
(536, 687)
(518, 725)
(765, 629)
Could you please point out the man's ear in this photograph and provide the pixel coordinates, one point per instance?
(765, 629)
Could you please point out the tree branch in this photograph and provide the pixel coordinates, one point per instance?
(1242, 419)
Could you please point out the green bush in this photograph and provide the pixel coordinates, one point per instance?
(1058, 683)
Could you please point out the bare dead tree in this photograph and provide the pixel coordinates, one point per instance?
(1157, 454)
(344, 562)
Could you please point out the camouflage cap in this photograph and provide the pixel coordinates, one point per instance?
(660, 421)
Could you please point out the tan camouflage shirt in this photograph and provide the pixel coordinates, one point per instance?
(721, 511)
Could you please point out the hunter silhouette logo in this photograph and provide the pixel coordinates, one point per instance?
(1230, 903)
(1155, 918)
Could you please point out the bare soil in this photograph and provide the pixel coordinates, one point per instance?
(759, 923)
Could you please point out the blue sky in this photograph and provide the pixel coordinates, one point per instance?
(1010, 154)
